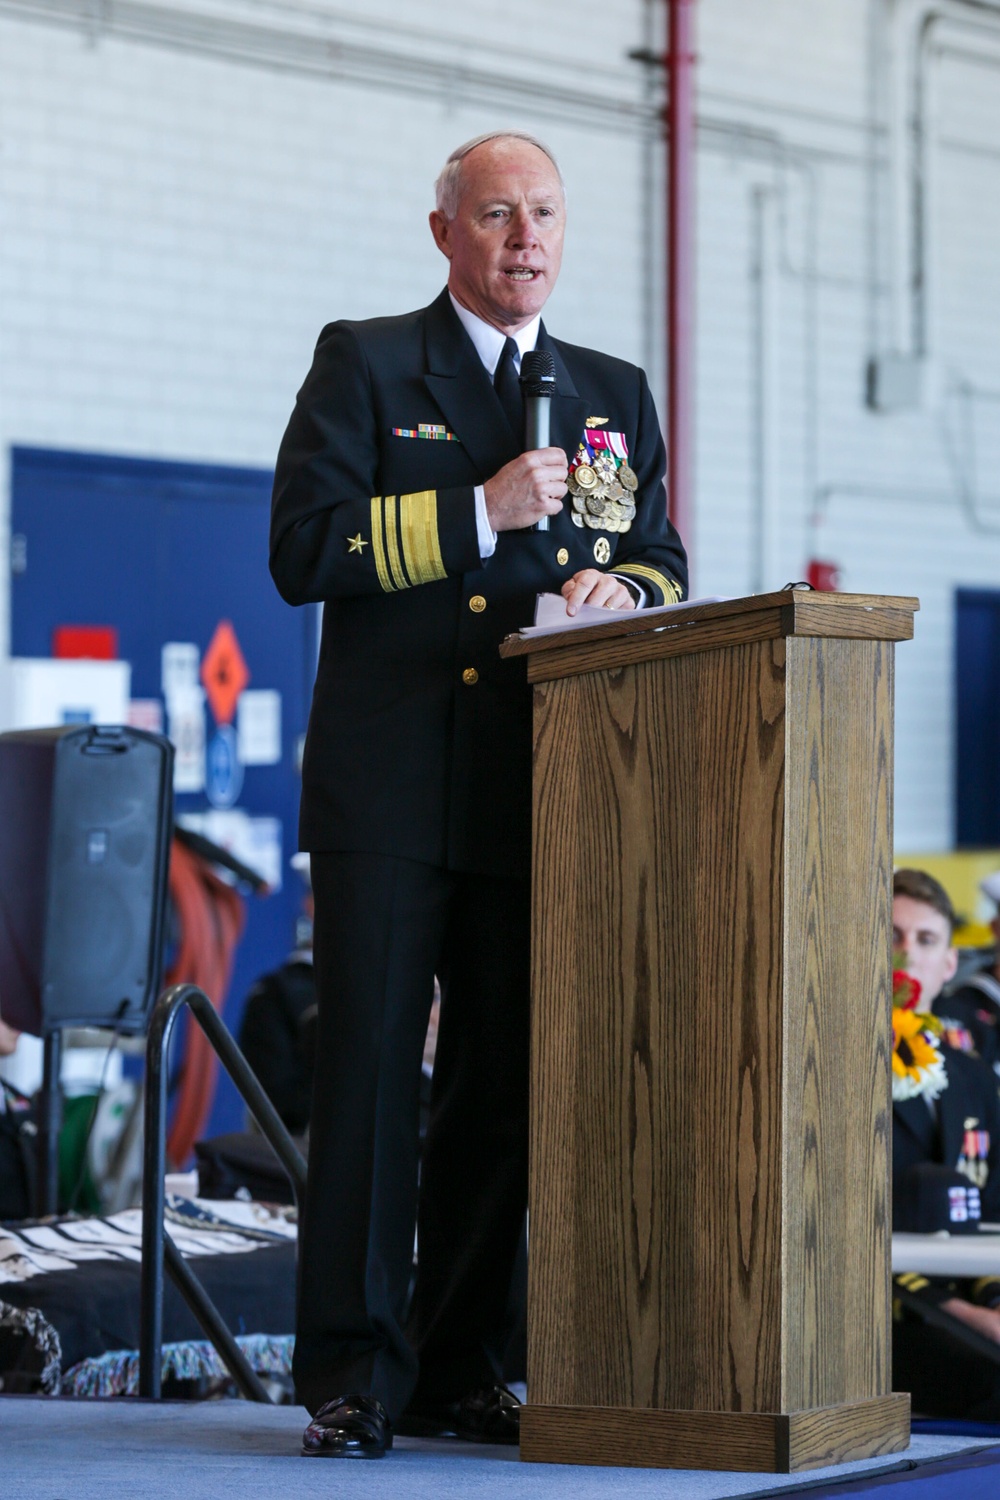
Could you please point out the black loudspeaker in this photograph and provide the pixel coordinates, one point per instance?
(86, 815)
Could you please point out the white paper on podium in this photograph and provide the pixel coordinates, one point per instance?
(551, 616)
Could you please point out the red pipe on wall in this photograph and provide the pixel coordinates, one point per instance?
(680, 120)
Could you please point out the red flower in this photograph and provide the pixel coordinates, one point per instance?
(905, 990)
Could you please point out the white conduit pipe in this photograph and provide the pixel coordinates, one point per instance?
(916, 26)
(764, 277)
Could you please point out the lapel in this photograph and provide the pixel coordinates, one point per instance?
(569, 409)
(458, 382)
(914, 1114)
(461, 387)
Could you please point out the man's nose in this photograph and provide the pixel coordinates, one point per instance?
(522, 227)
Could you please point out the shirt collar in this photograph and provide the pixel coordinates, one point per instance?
(489, 341)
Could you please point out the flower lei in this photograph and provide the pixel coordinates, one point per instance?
(917, 1062)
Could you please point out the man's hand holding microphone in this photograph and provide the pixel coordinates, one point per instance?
(532, 487)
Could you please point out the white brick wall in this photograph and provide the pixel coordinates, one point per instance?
(176, 224)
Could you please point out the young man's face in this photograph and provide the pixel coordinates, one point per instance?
(924, 937)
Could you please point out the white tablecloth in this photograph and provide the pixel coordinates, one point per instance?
(948, 1254)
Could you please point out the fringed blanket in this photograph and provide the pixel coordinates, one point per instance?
(69, 1296)
(117, 1373)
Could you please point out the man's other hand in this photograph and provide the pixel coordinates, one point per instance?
(594, 587)
(985, 1320)
(8, 1039)
(531, 486)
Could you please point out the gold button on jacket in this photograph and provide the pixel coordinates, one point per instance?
(562, 557)
(470, 676)
(477, 604)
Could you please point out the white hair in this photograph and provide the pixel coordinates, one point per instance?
(448, 188)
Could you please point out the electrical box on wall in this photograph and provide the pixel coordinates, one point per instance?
(895, 382)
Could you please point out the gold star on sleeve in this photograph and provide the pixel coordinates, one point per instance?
(356, 543)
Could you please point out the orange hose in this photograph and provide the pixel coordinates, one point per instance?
(211, 918)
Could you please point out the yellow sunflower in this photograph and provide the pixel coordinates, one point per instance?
(917, 1063)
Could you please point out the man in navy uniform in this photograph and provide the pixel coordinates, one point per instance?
(937, 1142)
(402, 500)
(975, 1003)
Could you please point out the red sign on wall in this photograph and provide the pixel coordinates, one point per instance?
(91, 642)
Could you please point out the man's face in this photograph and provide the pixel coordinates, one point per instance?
(505, 242)
(924, 937)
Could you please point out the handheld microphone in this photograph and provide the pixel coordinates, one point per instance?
(538, 386)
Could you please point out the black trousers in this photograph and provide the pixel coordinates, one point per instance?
(383, 928)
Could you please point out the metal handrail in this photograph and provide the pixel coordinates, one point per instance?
(157, 1247)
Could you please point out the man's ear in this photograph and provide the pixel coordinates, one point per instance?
(952, 965)
(441, 230)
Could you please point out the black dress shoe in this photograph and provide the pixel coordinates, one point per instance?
(348, 1427)
(489, 1415)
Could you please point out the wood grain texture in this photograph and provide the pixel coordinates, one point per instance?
(710, 1066)
(837, 982)
(703, 627)
(892, 621)
(842, 1434)
(748, 1442)
(656, 1094)
(588, 650)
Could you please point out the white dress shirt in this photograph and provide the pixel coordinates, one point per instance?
(489, 342)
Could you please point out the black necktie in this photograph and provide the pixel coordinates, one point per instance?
(508, 388)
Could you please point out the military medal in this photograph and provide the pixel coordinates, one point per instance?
(602, 484)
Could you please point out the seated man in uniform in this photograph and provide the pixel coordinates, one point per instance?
(975, 1002)
(946, 1115)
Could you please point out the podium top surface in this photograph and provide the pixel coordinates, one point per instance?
(705, 627)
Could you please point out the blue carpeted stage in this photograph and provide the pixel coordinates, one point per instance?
(54, 1449)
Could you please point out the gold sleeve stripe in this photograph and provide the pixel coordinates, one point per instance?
(913, 1281)
(378, 546)
(987, 1286)
(405, 540)
(419, 529)
(396, 569)
(670, 590)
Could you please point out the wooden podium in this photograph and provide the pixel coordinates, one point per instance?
(711, 1115)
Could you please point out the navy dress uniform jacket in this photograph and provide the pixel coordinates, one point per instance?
(419, 741)
(945, 1377)
(976, 1006)
(965, 1136)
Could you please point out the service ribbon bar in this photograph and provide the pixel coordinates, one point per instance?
(426, 430)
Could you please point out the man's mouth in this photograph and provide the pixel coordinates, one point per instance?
(521, 273)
